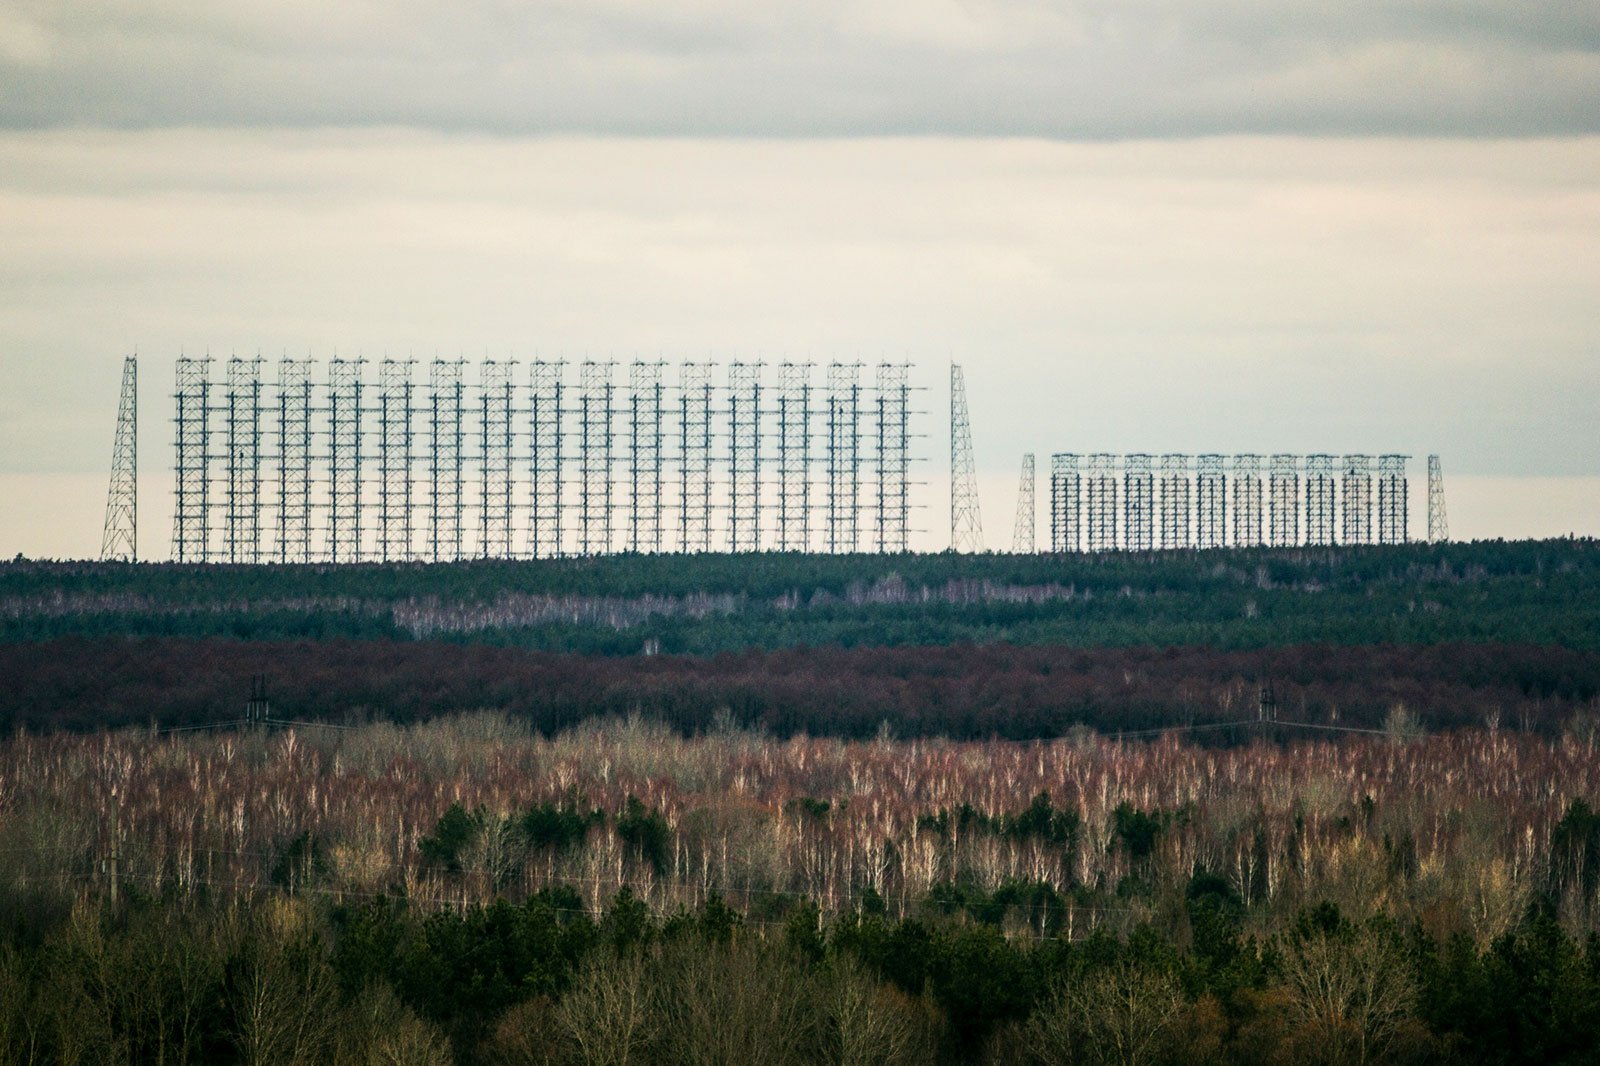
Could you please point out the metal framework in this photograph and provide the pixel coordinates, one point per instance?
(1438, 520)
(191, 516)
(119, 539)
(892, 459)
(497, 511)
(446, 432)
(1211, 501)
(1283, 501)
(242, 423)
(1246, 501)
(744, 457)
(1022, 530)
(1393, 505)
(1320, 500)
(396, 460)
(1066, 503)
(1355, 499)
(1100, 502)
(596, 520)
(1177, 503)
(694, 457)
(644, 457)
(966, 524)
(345, 460)
(1138, 503)
(844, 457)
(545, 458)
(794, 457)
(294, 461)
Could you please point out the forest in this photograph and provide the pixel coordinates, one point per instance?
(468, 890)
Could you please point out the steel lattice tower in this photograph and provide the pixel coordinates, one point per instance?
(596, 520)
(892, 458)
(966, 523)
(1355, 503)
(1438, 520)
(496, 436)
(119, 540)
(1392, 499)
(396, 460)
(1023, 532)
(445, 432)
(1247, 501)
(1100, 502)
(1283, 501)
(1211, 509)
(294, 460)
(1177, 503)
(243, 425)
(1138, 502)
(545, 458)
(644, 457)
(844, 458)
(346, 465)
(191, 516)
(1320, 510)
(744, 457)
(1066, 505)
(794, 457)
(694, 457)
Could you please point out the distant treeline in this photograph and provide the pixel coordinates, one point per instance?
(964, 691)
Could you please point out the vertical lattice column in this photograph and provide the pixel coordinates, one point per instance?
(191, 516)
(1177, 503)
(891, 457)
(345, 460)
(1138, 502)
(294, 460)
(966, 524)
(545, 458)
(1438, 520)
(644, 457)
(446, 454)
(1211, 508)
(396, 460)
(844, 457)
(794, 457)
(694, 457)
(744, 457)
(242, 408)
(1247, 501)
(497, 517)
(1066, 486)
(1101, 502)
(1024, 536)
(119, 541)
(1356, 499)
(1283, 501)
(1393, 503)
(596, 521)
(1320, 508)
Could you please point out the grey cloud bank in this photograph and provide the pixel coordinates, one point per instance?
(1080, 69)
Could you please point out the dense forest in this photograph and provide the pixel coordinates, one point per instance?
(468, 891)
(1530, 592)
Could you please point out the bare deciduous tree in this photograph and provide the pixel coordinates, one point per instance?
(1124, 1015)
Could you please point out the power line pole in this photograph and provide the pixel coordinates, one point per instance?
(966, 525)
(1022, 530)
(120, 540)
(1438, 521)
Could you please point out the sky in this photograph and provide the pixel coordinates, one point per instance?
(1151, 225)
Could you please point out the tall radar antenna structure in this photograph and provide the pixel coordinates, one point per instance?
(966, 524)
(120, 541)
(1438, 520)
(1022, 530)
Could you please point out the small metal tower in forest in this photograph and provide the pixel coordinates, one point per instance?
(120, 541)
(1022, 530)
(1438, 521)
(966, 525)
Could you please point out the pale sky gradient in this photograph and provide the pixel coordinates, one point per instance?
(1300, 226)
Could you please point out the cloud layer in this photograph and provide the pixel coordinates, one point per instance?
(1076, 69)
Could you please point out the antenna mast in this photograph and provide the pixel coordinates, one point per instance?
(1022, 531)
(966, 526)
(120, 541)
(1438, 521)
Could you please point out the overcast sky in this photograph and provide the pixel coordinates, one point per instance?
(1144, 225)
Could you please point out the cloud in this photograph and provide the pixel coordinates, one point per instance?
(1080, 69)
